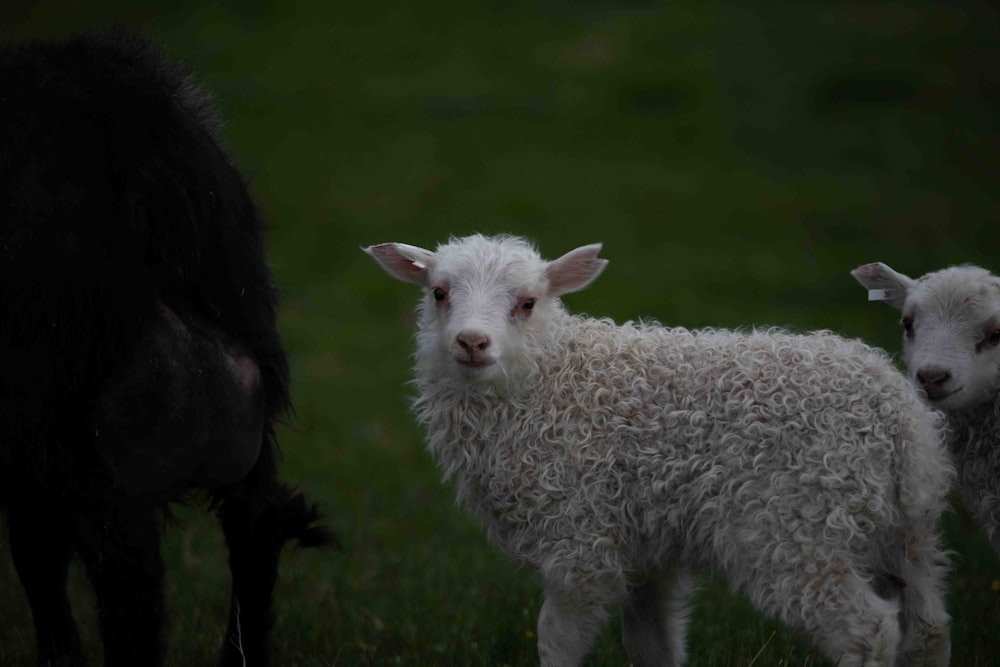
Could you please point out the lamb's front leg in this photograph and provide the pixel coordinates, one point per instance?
(567, 626)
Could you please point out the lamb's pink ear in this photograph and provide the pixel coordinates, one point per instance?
(406, 262)
(574, 270)
(884, 284)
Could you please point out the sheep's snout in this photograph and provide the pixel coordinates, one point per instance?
(936, 382)
(933, 378)
(474, 349)
(473, 342)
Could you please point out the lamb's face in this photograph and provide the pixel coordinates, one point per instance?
(486, 302)
(951, 336)
(951, 333)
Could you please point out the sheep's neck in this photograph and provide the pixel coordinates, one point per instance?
(975, 428)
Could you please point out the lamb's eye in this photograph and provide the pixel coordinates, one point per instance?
(993, 339)
(439, 294)
(908, 325)
(524, 307)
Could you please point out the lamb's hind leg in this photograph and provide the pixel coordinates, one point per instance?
(926, 641)
(853, 625)
(654, 619)
(567, 626)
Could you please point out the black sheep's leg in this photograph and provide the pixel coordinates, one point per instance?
(120, 549)
(258, 515)
(248, 518)
(41, 546)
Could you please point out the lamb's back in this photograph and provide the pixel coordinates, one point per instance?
(635, 435)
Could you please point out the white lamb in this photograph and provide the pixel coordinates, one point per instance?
(951, 347)
(616, 459)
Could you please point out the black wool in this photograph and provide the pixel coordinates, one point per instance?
(139, 343)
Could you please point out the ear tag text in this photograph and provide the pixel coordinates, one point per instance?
(878, 294)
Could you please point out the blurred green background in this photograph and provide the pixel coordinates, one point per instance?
(736, 159)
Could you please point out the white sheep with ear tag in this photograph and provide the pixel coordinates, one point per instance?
(615, 460)
(951, 347)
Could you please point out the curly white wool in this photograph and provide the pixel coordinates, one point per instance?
(615, 458)
(952, 351)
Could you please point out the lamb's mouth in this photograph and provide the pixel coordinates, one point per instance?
(476, 363)
(940, 397)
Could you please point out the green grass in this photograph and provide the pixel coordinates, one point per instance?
(736, 162)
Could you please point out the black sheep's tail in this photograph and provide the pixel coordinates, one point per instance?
(267, 512)
(299, 522)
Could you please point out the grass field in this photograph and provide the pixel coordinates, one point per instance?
(736, 163)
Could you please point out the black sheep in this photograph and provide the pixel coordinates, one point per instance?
(139, 351)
